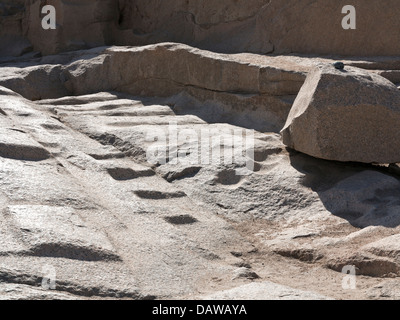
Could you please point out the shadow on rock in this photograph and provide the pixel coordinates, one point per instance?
(364, 195)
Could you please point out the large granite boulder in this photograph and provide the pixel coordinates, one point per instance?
(345, 115)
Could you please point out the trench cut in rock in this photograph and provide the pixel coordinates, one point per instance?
(345, 115)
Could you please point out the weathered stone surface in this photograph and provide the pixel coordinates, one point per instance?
(264, 291)
(60, 232)
(387, 247)
(114, 224)
(80, 25)
(44, 81)
(18, 145)
(84, 216)
(259, 26)
(218, 86)
(360, 196)
(264, 26)
(12, 29)
(201, 69)
(79, 278)
(348, 115)
(245, 273)
(386, 290)
(9, 291)
(367, 265)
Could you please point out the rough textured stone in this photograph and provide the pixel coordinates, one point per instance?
(264, 291)
(10, 291)
(367, 265)
(387, 247)
(263, 26)
(18, 145)
(112, 224)
(386, 290)
(215, 85)
(107, 224)
(60, 232)
(259, 26)
(359, 196)
(12, 29)
(345, 115)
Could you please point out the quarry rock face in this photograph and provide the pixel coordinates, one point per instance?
(263, 26)
(346, 115)
(258, 26)
(12, 29)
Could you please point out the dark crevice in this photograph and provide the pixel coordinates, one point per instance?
(122, 174)
(158, 195)
(54, 250)
(21, 152)
(181, 219)
(186, 173)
